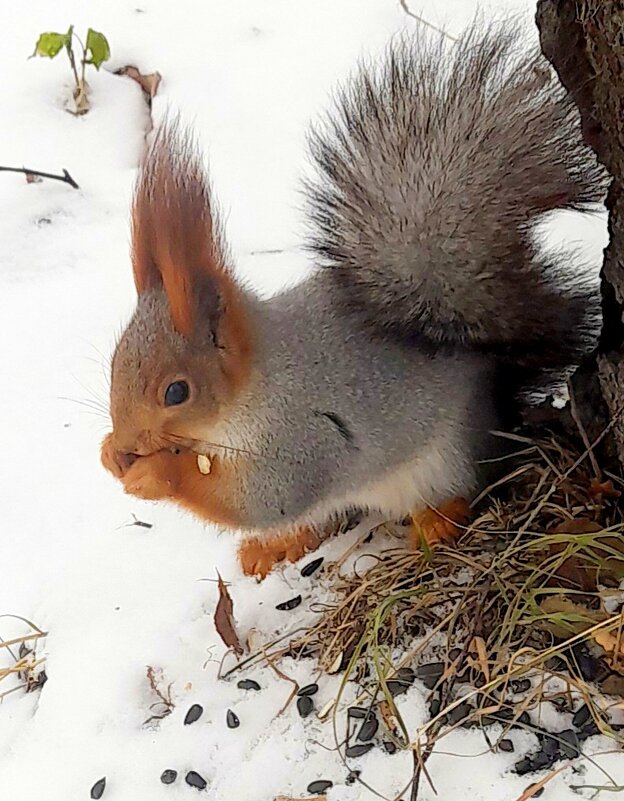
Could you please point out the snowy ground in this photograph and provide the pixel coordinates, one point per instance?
(114, 599)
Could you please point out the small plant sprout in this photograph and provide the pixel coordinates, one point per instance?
(95, 50)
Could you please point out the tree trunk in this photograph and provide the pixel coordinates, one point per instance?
(584, 41)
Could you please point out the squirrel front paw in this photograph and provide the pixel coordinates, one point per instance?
(153, 477)
(259, 555)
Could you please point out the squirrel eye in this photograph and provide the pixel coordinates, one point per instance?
(176, 393)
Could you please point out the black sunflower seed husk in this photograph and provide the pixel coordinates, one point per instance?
(430, 674)
(458, 713)
(194, 713)
(506, 745)
(353, 776)
(357, 712)
(97, 791)
(358, 750)
(305, 705)
(286, 606)
(520, 686)
(168, 776)
(368, 729)
(389, 747)
(248, 684)
(193, 779)
(232, 720)
(581, 716)
(309, 689)
(312, 567)
(319, 787)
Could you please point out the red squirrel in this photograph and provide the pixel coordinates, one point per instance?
(375, 384)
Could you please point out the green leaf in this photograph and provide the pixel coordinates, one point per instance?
(50, 44)
(97, 45)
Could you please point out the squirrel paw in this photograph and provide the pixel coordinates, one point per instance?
(444, 524)
(152, 477)
(259, 555)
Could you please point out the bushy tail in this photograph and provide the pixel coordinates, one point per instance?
(432, 169)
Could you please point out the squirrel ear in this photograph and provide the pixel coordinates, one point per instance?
(176, 239)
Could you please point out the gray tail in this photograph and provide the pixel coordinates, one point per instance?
(431, 170)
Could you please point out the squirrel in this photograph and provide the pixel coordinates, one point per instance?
(377, 383)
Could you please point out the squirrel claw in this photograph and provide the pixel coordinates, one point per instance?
(259, 555)
(444, 524)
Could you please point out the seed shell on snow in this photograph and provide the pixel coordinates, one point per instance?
(357, 712)
(319, 787)
(286, 606)
(193, 779)
(248, 684)
(305, 705)
(194, 713)
(358, 750)
(232, 720)
(204, 464)
(168, 776)
(309, 689)
(368, 729)
(312, 567)
(335, 665)
(97, 791)
(324, 712)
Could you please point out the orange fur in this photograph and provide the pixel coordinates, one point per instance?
(259, 555)
(165, 475)
(177, 244)
(439, 525)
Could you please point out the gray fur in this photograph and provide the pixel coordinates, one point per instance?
(432, 168)
(399, 405)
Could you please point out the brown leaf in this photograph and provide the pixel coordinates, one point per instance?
(148, 83)
(603, 488)
(576, 569)
(224, 619)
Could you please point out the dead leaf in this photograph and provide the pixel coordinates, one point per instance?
(603, 488)
(576, 618)
(612, 645)
(576, 569)
(148, 83)
(224, 619)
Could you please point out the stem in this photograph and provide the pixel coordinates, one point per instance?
(65, 177)
(72, 61)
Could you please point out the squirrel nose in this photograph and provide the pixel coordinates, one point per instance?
(125, 459)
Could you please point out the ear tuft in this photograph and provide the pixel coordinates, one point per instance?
(177, 241)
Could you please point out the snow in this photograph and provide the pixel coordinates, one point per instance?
(114, 597)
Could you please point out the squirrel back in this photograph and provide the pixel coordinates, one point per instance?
(433, 167)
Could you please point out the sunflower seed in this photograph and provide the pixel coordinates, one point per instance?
(248, 684)
(168, 776)
(507, 746)
(305, 705)
(357, 712)
(97, 791)
(232, 720)
(312, 567)
(368, 729)
(581, 717)
(194, 713)
(319, 787)
(358, 750)
(309, 689)
(195, 780)
(389, 747)
(286, 606)
(204, 464)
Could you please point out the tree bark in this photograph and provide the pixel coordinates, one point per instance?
(584, 41)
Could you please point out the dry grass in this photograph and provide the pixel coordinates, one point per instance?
(531, 591)
(25, 669)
